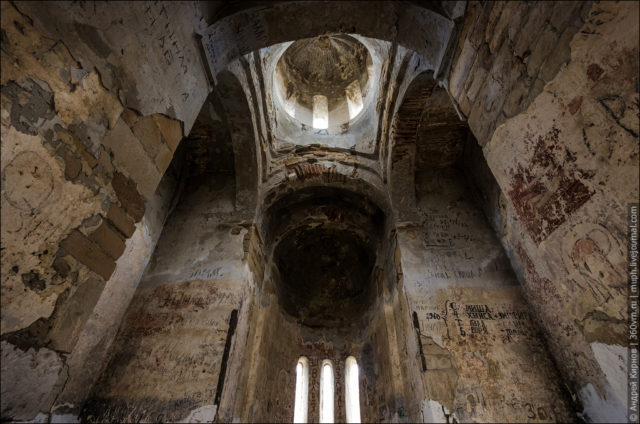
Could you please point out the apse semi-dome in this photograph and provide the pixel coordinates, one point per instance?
(323, 81)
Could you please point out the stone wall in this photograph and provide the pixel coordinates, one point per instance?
(506, 53)
(167, 357)
(79, 177)
(95, 100)
(481, 354)
(565, 161)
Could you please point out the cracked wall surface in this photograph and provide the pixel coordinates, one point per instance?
(481, 353)
(466, 235)
(566, 168)
(79, 179)
(167, 356)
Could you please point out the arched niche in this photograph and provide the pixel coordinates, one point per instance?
(323, 244)
(428, 135)
(238, 116)
(403, 145)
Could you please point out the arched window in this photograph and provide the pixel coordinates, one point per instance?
(326, 392)
(320, 112)
(352, 389)
(302, 391)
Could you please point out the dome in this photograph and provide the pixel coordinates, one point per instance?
(322, 81)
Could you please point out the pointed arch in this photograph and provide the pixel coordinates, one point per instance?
(403, 145)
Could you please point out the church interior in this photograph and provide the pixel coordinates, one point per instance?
(313, 211)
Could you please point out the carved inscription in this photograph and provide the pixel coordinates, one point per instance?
(503, 320)
(157, 21)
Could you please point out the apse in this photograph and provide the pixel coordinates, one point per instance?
(325, 245)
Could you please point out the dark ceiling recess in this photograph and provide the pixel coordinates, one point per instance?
(441, 133)
(324, 275)
(325, 251)
(208, 146)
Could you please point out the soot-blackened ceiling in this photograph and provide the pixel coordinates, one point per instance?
(325, 247)
(324, 275)
(208, 146)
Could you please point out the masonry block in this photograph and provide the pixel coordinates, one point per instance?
(171, 130)
(89, 253)
(109, 239)
(148, 133)
(121, 220)
(130, 199)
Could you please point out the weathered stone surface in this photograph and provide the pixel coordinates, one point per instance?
(461, 71)
(431, 308)
(89, 253)
(39, 54)
(497, 8)
(104, 160)
(71, 318)
(27, 378)
(498, 29)
(563, 13)
(155, 71)
(72, 165)
(543, 46)
(570, 204)
(39, 206)
(560, 55)
(131, 157)
(129, 197)
(163, 158)
(477, 304)
(478, 79)
(529, 33)
(90, 353)
(130, 116)
(109, 240)
(200, 292)
(121, 220)
(516, 98)
(518, 19)
(147, 132)
(170, 129)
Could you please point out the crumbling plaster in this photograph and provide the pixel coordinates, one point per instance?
(567, 167)
(549, 90)
(70, 202)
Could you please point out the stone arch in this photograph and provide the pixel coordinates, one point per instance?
(417, 28)
(403, 145)
(238, 116)
(346, 182)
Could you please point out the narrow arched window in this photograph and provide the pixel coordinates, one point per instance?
(302, 391)
(326, 392)
(352, 389)
(320, 112)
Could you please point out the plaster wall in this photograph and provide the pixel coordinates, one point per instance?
(167, 357)
(565, 161)
(481, 354)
